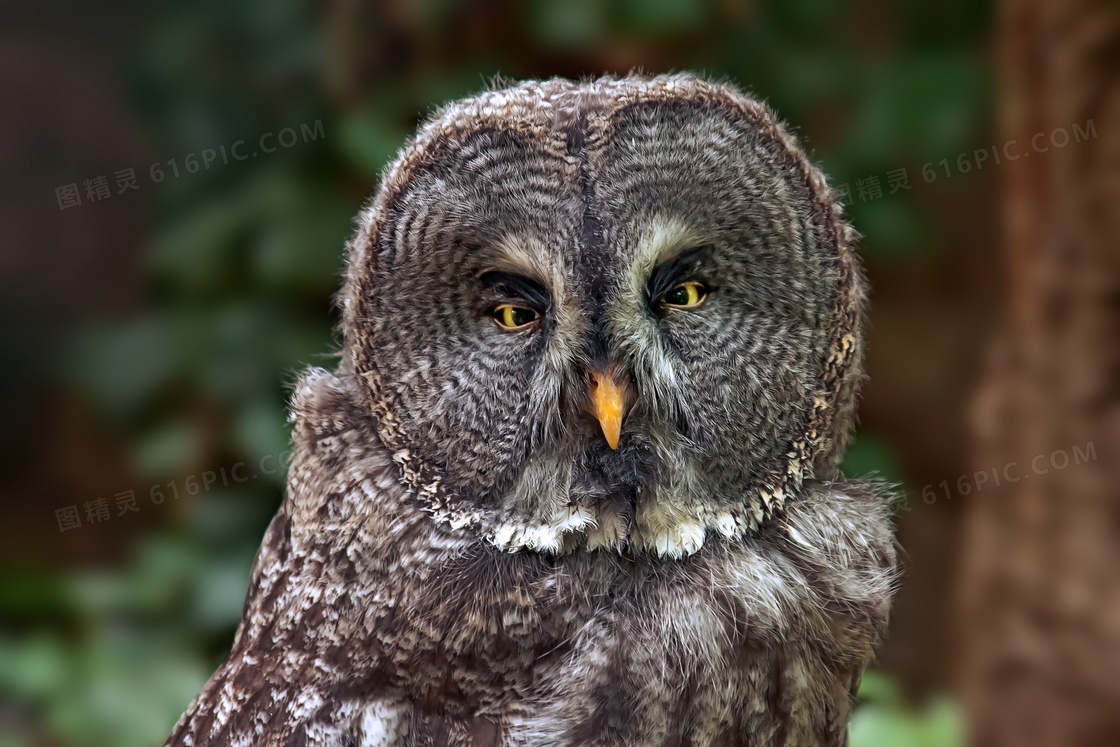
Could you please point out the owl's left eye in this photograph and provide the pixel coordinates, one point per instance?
(513, 318)
(687, 295)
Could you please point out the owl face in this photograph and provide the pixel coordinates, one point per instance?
(605, 315)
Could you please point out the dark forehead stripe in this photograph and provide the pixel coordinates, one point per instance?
(594, 262)
(591, 228)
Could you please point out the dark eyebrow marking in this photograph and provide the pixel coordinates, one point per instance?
(509, 286)
(670, 272)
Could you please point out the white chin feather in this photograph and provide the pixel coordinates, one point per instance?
(659, 530)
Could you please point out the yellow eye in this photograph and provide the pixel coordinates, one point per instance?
(688, 295)
(512, 317)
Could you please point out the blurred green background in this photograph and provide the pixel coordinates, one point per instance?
(149, 334)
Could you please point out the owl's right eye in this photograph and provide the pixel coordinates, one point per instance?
(514, 318)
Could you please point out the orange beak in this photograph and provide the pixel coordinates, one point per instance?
(611, 401)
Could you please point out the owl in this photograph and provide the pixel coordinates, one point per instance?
(575, 480)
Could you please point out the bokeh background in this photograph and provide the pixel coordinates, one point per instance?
(151, 320)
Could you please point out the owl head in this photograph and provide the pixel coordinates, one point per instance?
(622, 314)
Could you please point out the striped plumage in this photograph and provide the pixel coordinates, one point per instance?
(462, 557)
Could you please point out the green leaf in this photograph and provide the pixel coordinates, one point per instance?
(662, 16)
(369, 139)
(571, 23)
(871, 454)
(123, 367)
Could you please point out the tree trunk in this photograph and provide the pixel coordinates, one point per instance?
(1039, 619)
